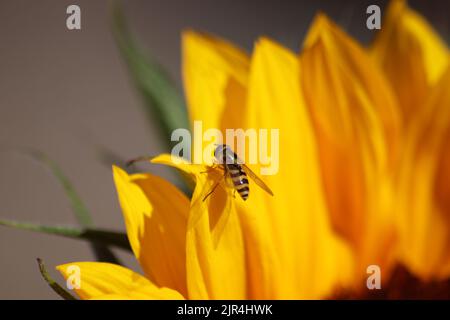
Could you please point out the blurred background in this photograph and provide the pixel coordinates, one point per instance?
(68, 92)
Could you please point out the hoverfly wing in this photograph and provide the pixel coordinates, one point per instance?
(257, 180)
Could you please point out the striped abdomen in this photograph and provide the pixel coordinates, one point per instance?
(239, 178)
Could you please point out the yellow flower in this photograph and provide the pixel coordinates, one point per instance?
(363, 178)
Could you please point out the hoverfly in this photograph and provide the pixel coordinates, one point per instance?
(236, 171)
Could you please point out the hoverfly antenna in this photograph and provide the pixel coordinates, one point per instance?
(138, 159)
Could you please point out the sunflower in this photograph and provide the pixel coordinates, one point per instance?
(363, 177)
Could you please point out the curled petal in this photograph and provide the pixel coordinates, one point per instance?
(424, 188)
(411, 54)
(214, 245)
(357, 125)
(98, 280)
(155, 214)
(215, 78)
(293, 252)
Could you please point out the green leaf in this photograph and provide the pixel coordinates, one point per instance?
(102, 252)
(162, 99)
(63, 293)
(99, 236)
(78, 207)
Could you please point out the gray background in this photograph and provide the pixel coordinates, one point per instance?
(64, 92)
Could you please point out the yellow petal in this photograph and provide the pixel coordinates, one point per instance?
(143, 293)
(411, 54)
(292, 251)
(424, 189)
(215, 78)
(215, 254)
(98, 279)
(155, 214)
(357, 125)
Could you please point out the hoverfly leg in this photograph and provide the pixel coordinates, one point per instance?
(215, 186)
(211, 168)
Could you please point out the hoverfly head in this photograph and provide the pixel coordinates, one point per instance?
(223, 153)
